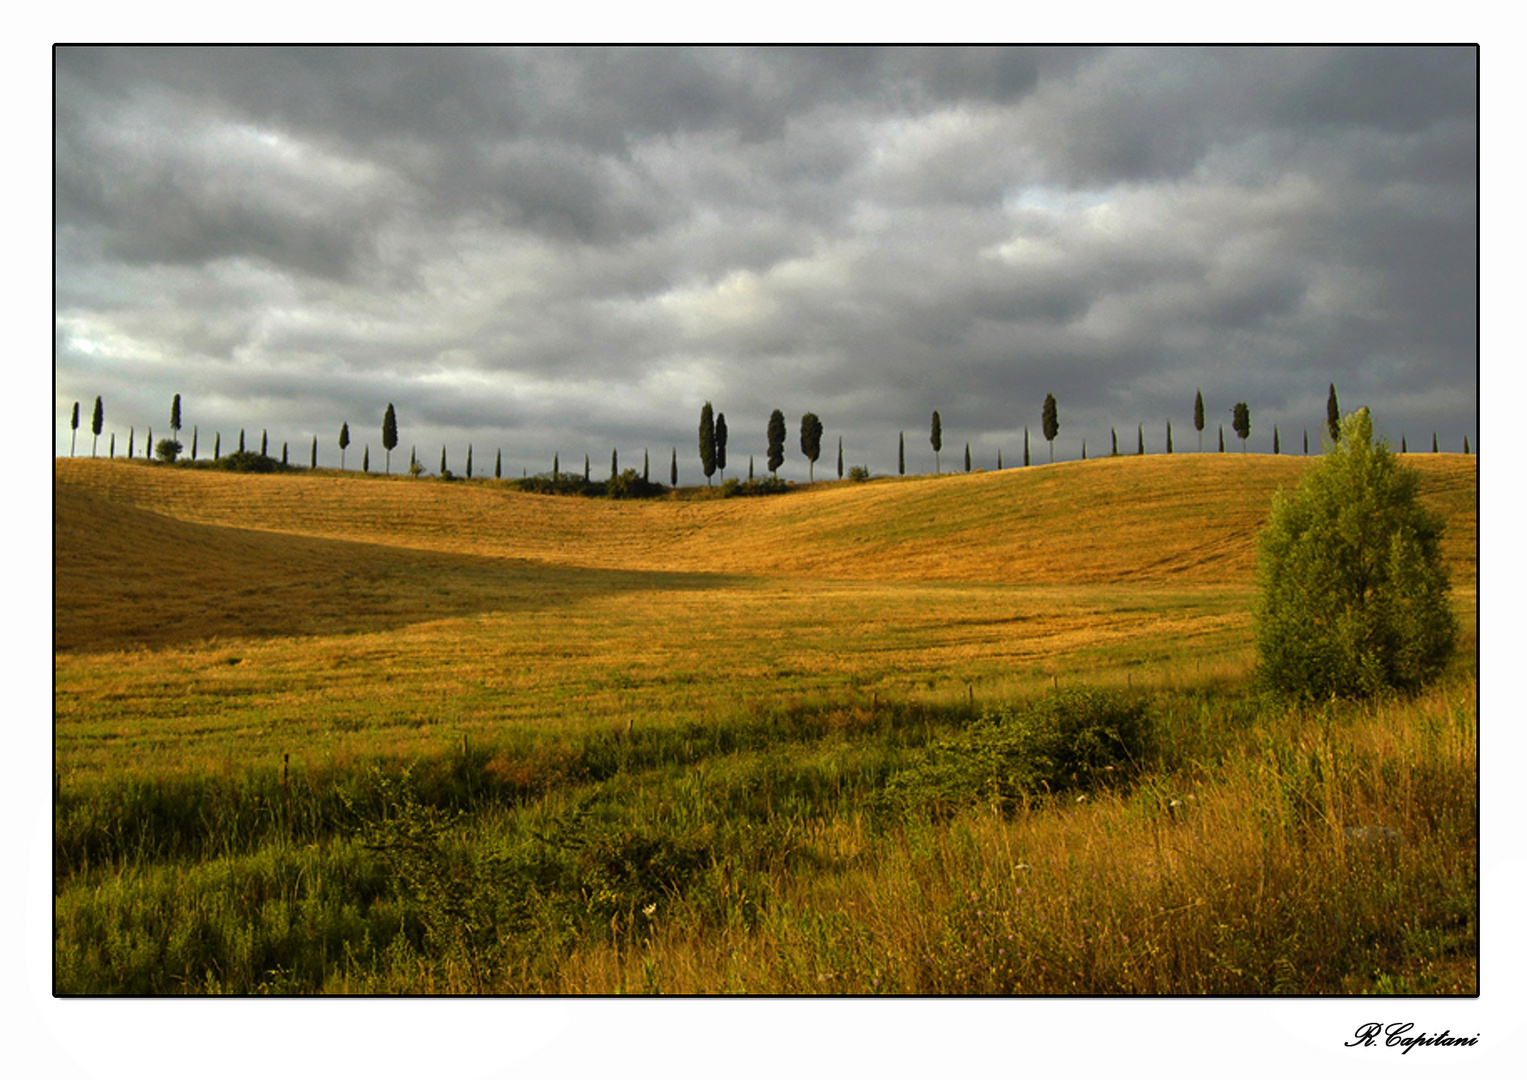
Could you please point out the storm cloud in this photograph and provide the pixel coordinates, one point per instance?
(569, 251)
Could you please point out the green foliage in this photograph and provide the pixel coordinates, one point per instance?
(776, 440)
(769, 485)
(1352, 590)
(936, 437)
(721, 443)
(631, 485)
(1198, 418)
(1075, 739)
(167, 450)
(248, 461)
(707, 441)
(811, 441)
(175, 414)
(1241, 421)
(1333, 416)
(859, 474)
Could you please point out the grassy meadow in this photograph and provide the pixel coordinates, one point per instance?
(339, 732)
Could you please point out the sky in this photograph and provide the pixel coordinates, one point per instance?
(569, 252)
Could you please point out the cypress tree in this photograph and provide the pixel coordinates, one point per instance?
(442, 461)
(366, 459)
(1142, 441)
(811, 442)
(193, 442)
(1434, 442)
(344, 441)
(646, 477)
(74, 426)
(1168, 436)
(264, 442)
(937, 439)
(614, 464)
(129, 443)
(1403, 448)
(750, 468)
(389, 434)
(673, 469)
(1333, 415)
(901, 455)
(776, 434)
(1222, 438)
(707, 442)
(175, 418)
(217, 446)
(498, 465)
(113, 446)
(283, 454)
(1025, 445)
(413, 461)
(1084, 449)
(313, 455)
(967, 457)
(556, 471)
(1306, 442)
(469, 461)
(721, 444)
(97, 421)
(148, 445)
(241, 439)
(1465, 446)
(1242, 423)
(1275, 448)
(840, 457)
(1050, 417)
(1115, 433)
(585, 468)
(1198, 418)
(999, 459)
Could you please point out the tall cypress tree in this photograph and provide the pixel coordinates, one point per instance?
(1306, 442)
(389, 434)
(1465, 446)
(1434, 442)
(469, 461)
(840, 457)
(442, 461)
(283, 454)
(175, 418)
(1168, 436)
(1333, 415)
(97, 421)
(1025, 445)
(113, 446)
(1275, 448)
(750, 468)
(776, 434)
(721, 444)
(193, 442)
(585, 468)
(148, 445)
(1141, 450)
(1198, 418)
(614, 464)
(217, 446)
(999, 459)
(901, 455)
(811, 442)
(498, 465)
(936, 437)
(344, 441)
(313, 455)
(1222, 438)
(646, 477)
(1084, 449)
(967, 457)
(366, 459)
(1115, 433)
(1403, 448)
(556, 471)
(673, 469)
(74, 426)
(264, 442)
(130, 442)
(707, 442)
(1050, 417)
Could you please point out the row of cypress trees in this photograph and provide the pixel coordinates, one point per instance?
(713, 440)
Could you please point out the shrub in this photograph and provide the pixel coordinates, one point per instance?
(1069, 739)
(858, 474)
(769, 485)
(1352, 592)
(630, 485)
(167, 450)
(248, 461)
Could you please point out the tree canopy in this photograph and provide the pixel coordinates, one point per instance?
(776, 434)
(811, 441)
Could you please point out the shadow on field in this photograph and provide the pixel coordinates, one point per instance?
(125, 578)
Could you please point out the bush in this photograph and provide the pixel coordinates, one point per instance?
(1352, 592)
(167, 450)
(769, 485)
(1069, 739)
(630, 485)
(858, 474)
(248, 461)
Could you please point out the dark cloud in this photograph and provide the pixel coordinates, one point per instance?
(561, 250)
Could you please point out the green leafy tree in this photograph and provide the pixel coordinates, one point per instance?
(1333, 416)
(98, 421)
(811, 442)
(776, 433)
(74, 426)
(344, 441)
(167, 450)
(175, 418)
(707, 442)
(721, 444)
(1241, 421)
(1050, 418)
(1198, 418)
(1352, 591)
(389, 434)
(937, 439)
